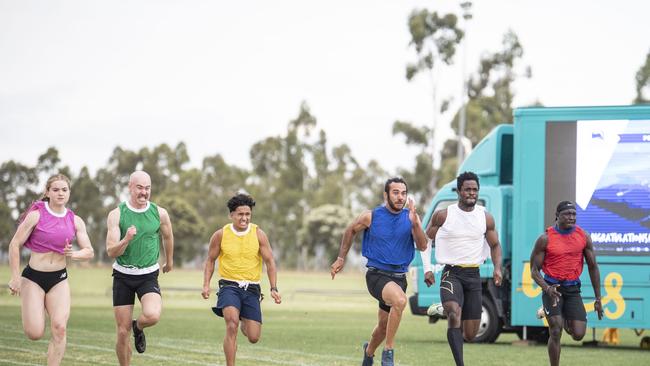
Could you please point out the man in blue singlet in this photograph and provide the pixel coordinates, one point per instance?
(389, 234)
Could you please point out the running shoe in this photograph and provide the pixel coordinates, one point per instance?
(367, 360)
(435, 310)
(138, 338)
(387, 357)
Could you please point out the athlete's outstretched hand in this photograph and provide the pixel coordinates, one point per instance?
(497, 277)
(337, 266)
(167, 267)
(206, 292)
(130, 233)
(554, 293)
(276, 296)
(14, 286)
(598, 307)
(67, 249)
(429, 278)
(413, 215)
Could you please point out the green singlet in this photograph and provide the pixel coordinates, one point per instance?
(144, 249)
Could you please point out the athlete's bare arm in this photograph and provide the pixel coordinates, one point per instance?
(269, 261)
(359, 224)
(85, 251)
(536, 261)
(594, 274)
(168, 239)
(208, 267)
(20, 237)
(437, 220)
(416, 227)
(492, 239)
(114, 246)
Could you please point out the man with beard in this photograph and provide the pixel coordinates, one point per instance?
(459, 234)
(389, 234)
(135, 228)
(560, 252)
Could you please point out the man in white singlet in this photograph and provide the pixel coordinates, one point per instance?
(459, 234)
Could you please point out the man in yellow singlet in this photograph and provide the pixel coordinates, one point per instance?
(240, 247)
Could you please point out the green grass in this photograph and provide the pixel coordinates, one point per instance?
(325, 328)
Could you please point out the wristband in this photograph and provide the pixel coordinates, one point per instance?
(274, 289)
(341, 258)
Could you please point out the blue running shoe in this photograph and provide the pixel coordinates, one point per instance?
(367, 360)
(387, 357)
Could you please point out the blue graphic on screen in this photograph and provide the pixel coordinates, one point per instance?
(615, 160)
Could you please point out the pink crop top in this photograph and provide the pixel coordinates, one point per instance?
(52, 229)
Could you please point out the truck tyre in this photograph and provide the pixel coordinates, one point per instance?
(490, 327)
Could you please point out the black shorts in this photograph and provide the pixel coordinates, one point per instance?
(376, 280)
(462, 285)
(569, 305)
(125, 286)
(46, 280)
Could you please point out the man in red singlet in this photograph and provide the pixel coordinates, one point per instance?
(560, 253)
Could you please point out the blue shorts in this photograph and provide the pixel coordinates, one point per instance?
(246, 301)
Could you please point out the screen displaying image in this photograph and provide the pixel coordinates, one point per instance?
(604, 166)
(613, 184)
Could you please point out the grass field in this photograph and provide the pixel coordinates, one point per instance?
(324, 328)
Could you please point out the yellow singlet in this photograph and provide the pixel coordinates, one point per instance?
(239, 257)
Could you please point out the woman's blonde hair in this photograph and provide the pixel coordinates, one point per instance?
(51, 180)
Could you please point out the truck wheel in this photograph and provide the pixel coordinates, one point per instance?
(489, 328)
(645, 343)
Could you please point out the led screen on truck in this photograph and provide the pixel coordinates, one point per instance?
(604, 166)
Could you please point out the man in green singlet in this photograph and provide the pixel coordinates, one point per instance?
(135, 228)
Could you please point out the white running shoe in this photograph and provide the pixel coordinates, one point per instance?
(435, 309)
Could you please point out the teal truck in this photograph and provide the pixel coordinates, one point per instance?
(598, 157)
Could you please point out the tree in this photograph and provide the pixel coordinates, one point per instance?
(420, 179)
(188, 227)
(490, 89)
(321, 233)
(86, 202)
(643, 82)
(19, 186)
(435, 37)
(490, 100)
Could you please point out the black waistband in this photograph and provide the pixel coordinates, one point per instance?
(387, 273)
(253, 287)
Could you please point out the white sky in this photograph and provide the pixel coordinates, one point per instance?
(86, 76)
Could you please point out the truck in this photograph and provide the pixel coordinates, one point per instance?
(597, 157)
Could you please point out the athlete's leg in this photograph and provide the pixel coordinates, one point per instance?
(32, 298)
(379, 333)
(472, 307)
(452, 296)
(394, 296)
(151, 309)
(123, 319)
(252, 329)
(454, 333)
(555, 325)
(231, 317)
(470, 328)
(576, 328)
(57, 304)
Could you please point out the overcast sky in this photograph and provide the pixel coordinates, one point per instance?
(86, 76)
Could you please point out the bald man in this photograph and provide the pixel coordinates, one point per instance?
(135, 228)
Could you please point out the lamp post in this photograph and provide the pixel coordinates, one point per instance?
(460, 152)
